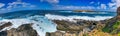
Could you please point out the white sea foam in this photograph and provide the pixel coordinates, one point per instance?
(40, 24)
(71, 18)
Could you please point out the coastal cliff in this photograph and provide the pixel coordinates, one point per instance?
(113, 25)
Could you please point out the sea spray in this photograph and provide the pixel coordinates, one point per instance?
(42, 25)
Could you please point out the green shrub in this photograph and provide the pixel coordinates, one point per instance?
(115, 26)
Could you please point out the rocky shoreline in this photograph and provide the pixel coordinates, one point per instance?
(64, 27)
(83, 27)
(77, 29)
(23, 30)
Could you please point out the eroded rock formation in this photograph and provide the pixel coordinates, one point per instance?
(5, 25)
(23, 30)
(83, 26)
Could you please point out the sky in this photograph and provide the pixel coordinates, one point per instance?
(8, 5)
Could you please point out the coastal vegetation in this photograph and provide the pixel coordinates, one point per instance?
(114, 29)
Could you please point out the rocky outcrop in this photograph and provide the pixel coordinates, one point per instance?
(79, 26)
(57, 33)
(111, 22)
(64, 33)
(5, 25)
(76, 26)
(66, 25)
(23, 30)
(4, 33)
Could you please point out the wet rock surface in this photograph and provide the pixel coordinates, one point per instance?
(5, 25)
(23, 30)
(76, 26)
(82, 27)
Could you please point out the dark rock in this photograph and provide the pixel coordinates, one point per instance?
(94, 24)
(3, 33)
(57, 33)
(23, 30)
(72, 26)
(5, 25)
(66, 25)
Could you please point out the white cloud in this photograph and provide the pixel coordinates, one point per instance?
(1, 5)
(111, 4)
(92, 2)
(19, 4)
(114, 4)
(103, 6)
(50, 1)
(118, 3)
(73, 7)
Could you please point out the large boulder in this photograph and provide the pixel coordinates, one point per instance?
(5, 25)
(74, 26)
(4, 33)
(23, 30)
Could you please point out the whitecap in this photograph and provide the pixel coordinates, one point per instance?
(71, 18)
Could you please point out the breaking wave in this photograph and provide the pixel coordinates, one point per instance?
(71, 18)
(40, 23)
